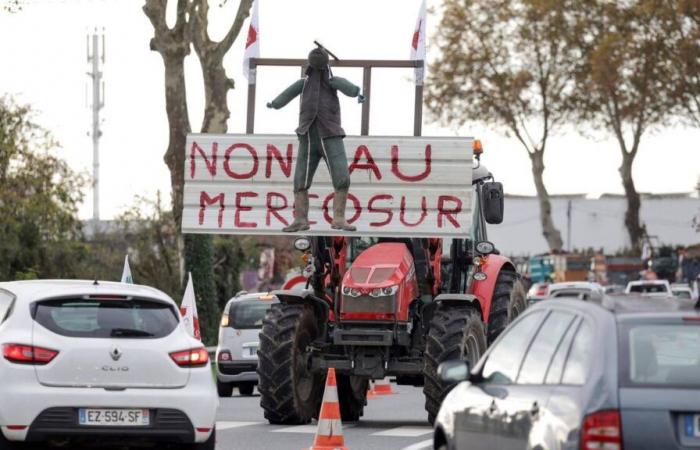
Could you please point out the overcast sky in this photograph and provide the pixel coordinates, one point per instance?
(43, 62)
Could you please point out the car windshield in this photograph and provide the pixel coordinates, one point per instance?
(248, 315)
(649, 288)
(662, 355)
(114, 319)
(682, 294)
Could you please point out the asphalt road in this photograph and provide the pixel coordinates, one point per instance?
(396, 421)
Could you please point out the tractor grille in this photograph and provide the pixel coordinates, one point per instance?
(368, 304)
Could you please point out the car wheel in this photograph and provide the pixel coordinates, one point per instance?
(456, 332)
(209, 444)
(224, 389)
(246, 388)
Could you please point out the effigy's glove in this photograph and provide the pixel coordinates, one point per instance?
(360, 98)
(269, 105)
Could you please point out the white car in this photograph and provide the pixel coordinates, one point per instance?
(651, 288)
(582, 290)
(682, 290)
(99, 360)
(237, 352)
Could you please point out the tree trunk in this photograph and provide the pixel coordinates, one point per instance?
(549, 231)
(179, 126)
(634, 227)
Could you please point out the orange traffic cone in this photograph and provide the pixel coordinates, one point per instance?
(329, 435)
(383, 387)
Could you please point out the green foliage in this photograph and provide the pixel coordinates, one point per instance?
(39, 196)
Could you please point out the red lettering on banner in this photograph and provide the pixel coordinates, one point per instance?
(387, 211)
(424, 213)
(412, 178)
(312, 222)
(272, 210)
(227, 161)
(211, 165)
(273, 151)
(355, 204)
(448, 213)
(205, 200)
(241, 208)
(361, 151)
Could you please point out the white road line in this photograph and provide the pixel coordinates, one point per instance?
(405, 432)
(220, 426)
(309, 429)
(422, 445)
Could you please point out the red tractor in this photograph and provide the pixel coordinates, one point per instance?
(378, 307)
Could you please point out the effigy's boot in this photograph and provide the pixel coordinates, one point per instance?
(301, 213)
(339, 223)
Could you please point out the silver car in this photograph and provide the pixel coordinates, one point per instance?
(236, 354)
(569, 374)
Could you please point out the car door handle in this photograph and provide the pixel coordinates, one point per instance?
(535, 410)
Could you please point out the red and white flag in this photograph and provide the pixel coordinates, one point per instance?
(188, 310)
(252, 44)
(418, 43)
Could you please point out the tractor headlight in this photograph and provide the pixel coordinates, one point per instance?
(352, 292)
(385, 291)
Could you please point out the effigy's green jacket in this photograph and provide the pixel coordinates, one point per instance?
(319, 102)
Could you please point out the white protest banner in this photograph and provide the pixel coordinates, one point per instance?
(401, 186)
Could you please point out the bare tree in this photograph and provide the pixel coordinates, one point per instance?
(623, 81)
(503, 62)
(173, 44)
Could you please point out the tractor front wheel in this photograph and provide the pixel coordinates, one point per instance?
(290, 393)
(456, 332)
(507, 303)
(352, 396)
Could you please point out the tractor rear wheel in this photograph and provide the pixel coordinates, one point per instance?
(456, 332)
(290, 393)
(507, 303)
(352, 396)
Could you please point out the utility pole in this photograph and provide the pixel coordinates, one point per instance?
(96, 59)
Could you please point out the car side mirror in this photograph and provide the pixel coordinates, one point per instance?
(454, 371)
(492, 201)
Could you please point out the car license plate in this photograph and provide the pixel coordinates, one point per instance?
(114, 417)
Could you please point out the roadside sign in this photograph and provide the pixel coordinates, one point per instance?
(401, 186)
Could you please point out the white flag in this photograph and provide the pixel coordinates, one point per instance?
(188, 310)
(418, 44)
(252, 44)
(126, 273)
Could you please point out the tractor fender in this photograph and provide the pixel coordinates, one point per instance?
(483, 290)
(320, 306)
(458, 299)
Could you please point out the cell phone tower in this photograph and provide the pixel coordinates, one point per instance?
(96, 59)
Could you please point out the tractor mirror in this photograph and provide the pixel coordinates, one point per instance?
(302, 244)
(492, 201)
(453, 371)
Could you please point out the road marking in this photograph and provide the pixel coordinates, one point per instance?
(422, 445)
(405, 432)
(309, 429)
(220, 426)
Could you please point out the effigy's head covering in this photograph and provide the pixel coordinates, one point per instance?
(318, 59)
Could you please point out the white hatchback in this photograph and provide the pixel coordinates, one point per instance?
(100, 361)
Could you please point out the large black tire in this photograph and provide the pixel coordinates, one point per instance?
(352, 396)
(224, 389)
(289, 392)
(507, 303)
(246, 388)
(456, 332)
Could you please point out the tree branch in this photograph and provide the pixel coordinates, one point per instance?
(233, 32)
